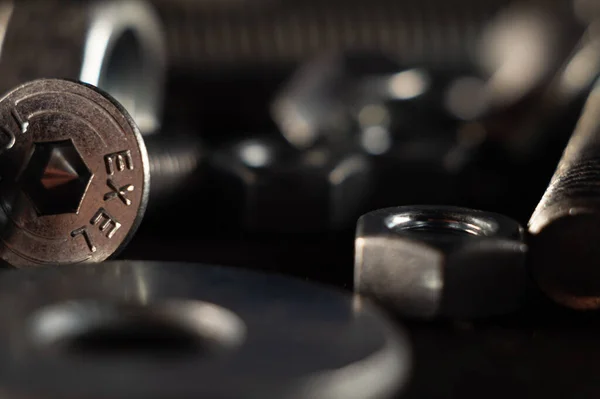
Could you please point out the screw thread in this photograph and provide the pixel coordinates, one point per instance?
(174, 162)
(576, 181)
(284, 32)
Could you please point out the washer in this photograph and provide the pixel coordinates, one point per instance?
(157, 330)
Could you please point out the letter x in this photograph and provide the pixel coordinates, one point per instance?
(120, 192)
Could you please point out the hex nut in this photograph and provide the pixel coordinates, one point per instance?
(430, 261)
(271, 187)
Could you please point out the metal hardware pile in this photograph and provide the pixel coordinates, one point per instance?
(270, 139)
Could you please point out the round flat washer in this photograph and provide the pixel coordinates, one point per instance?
(74, 174)
(175, 330)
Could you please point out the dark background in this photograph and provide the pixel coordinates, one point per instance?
(543, 350)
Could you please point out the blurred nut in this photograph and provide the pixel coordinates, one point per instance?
(370, 99)
(115, 45)
(277, 188)
(524, 46)
(176, 163)
(315, 103)
(428, 261)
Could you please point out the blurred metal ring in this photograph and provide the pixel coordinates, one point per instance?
(118, 46)
(155, 330)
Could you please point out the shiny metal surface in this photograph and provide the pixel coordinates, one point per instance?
(115, 45)
(221, 34)
(154, 330)
(566, 220)
(429, 261)
(75, 175)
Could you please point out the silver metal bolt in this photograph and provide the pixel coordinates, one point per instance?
(566, 223)
(74, 174)
(205, 34)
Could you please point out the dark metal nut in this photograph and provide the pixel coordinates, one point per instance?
(428, 261)
(279, 189)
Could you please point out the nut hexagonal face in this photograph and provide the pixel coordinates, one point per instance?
(428, 261)
(273, 187)
(55, 178)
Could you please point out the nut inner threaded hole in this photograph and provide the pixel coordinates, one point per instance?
(446, 224)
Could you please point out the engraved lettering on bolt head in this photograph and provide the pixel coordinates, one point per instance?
(118, 192)
(75, 178)
(107, 221)
(22, 124)
(56, 178)
(83, 232)
(121, 159)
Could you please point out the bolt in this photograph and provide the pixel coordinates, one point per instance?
(518, 51)
(371, 99)
(566, 222)
(74, 174)
(117, 46)
(429, 261)
(218, 34)
(202, 35)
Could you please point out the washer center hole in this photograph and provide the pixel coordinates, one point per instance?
(136, 337)
(172, 329)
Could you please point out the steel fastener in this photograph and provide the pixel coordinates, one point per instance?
(74, 174)
(370, 98)
(117, 46)
(145, 330)
(566, 222)
(269, 183)
(428, 261)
